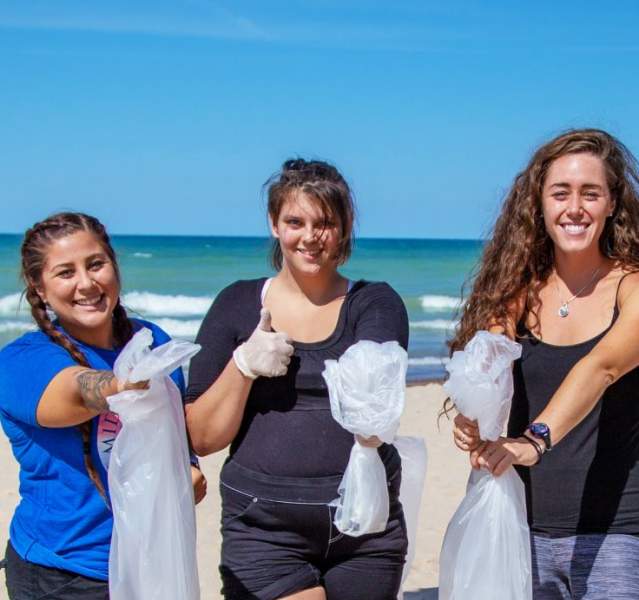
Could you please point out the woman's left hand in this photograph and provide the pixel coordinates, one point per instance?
(199, 483)
(497, 456)
(465, 433)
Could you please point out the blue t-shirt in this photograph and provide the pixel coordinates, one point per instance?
(61, 520)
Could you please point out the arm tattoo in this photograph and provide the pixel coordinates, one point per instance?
(95, 386)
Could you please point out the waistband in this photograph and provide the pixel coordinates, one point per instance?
(307, 490)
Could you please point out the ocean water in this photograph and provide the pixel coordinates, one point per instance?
(172, 281)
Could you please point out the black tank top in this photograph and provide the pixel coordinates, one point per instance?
(589, 483)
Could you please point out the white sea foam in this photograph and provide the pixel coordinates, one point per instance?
(180, 329)
(431, 302)
(16, 326)
(164, 305)
(10, 304)
(142, 254)
(438, 361)
(443, 324)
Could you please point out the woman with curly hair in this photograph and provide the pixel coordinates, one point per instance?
(53, 388)
(561, 276)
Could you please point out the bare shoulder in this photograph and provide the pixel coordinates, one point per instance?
(515, 310)
(628, 291)
(514, 313)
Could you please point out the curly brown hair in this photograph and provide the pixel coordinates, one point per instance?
(518, 258)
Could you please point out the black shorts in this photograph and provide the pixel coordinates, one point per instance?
(29, 581)
(278, 538)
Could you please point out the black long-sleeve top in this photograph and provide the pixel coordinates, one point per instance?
(287, 428)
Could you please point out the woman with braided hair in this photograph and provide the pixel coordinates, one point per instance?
(53, 388)
(256, 389)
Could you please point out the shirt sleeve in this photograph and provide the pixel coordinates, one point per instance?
(381, 315)
(219, 335)
(27, 366)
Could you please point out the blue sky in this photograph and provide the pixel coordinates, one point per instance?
(167, 116)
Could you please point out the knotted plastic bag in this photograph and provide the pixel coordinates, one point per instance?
(366, 391)
(486, 549)
(152, 553)
(367, 388)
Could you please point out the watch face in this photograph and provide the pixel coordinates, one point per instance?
(540, 429)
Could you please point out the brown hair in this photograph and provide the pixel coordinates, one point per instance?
(34, 254)
(322, 182)
(519, 256)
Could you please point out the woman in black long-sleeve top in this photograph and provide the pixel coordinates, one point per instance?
(262, 392)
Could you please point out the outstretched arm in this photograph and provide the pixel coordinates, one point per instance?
(77, 394)
(615, 355)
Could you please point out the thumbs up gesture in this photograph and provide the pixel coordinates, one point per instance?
(265, 320)
(266, 353)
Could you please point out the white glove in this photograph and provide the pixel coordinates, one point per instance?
(266, 353)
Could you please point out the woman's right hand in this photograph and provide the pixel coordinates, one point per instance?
(123, 386)
(466, 433)
(266, 353)
(497, 456)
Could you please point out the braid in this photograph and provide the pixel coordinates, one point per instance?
(39, 313)
(34, 248)
(122, 328)
(86, 429)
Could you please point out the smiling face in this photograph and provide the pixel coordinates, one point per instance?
(576, 202)
(309, 239)
(80, 284)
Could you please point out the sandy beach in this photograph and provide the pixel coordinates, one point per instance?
(445, 484)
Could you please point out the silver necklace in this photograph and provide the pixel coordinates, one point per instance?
(564, 310)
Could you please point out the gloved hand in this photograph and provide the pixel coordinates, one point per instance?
(266, 353)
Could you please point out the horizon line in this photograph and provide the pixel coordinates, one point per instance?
(266, 237)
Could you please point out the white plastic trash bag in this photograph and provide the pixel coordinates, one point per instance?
(366, 391)
(412, 451)
(486, 549)
(363, 504)
(481, 381)
(367, 387)
(153, 544)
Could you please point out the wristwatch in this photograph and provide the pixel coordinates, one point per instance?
(541, 431)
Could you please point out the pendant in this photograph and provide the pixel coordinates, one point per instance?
(563, 310)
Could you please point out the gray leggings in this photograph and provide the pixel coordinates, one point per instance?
(585, 567)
